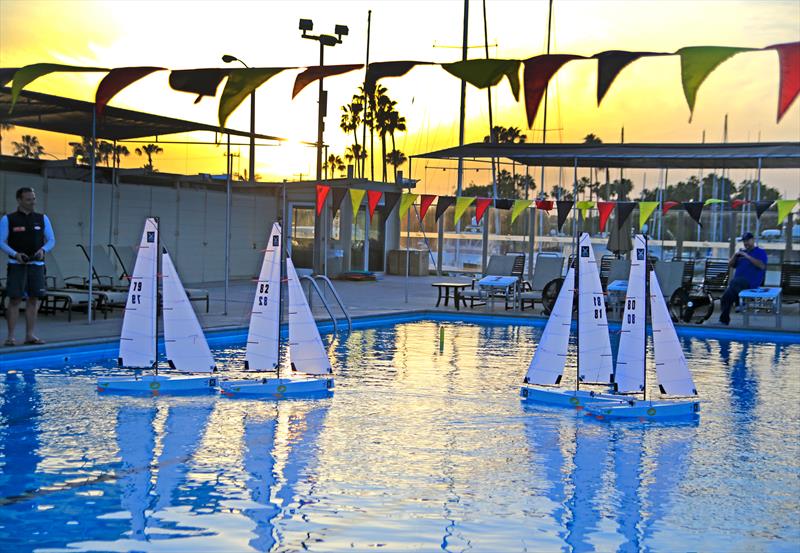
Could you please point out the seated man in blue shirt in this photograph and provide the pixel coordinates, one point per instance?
(751, 266)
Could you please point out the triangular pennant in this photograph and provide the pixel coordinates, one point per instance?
(563, 207)
(117, 80)
(320, 72)
(384, 69)
(322, 194)
(646, 209)
(406, 202)
(203, 82)
(519, 207)
(537, 74)
(241, 82)
(762, 206)
(503, 203)
(605, 209)
(336, 199)
(26, 75)
(390, 200)
(697, 63)
(442, 204)
(610, 63)
(784, 208)
(789, 59)
(483, 73)
(356, 196)
(373, 197)
(736, 204)
(424, 203)
(544, 205)
(624, 210)
(481, 204)
(462, 203)
(695, 211)
(6, 74)
(666, 206)
(711, 201)
(584, 206)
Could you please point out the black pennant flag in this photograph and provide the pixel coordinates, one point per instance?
(564, 207)
(442, 203)
(624, 210)
(503, 204)
(761, 207)
(338, 195)
(695, 210)
(390, 200)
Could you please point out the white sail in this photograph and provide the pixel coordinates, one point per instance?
(671, 367)
(184, 341)
(595, 361)
(263, 336)
(306, 352)
(137, 343)
(629, 375)
(547, 365)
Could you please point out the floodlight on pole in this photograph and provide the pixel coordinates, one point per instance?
(227, 58)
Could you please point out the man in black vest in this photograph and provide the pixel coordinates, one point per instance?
(25, 236)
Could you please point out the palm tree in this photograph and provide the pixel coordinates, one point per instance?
(396, 158)
(394, 122)
(104, 152)
(117, 153)
(149, 150)
(4, 127)
(351, 116)
(335, 163)
(29, 148)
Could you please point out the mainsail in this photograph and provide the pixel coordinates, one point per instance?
(184, 341)
(306, 352)
(671, 367)
(137, 344)
(595, 361)
(264, 334)
(547, 364)
(629, 376)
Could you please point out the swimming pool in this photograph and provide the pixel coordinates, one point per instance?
(417, 449)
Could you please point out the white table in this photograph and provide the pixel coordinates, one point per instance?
(764, 301)
(617, 290)
(495, 283)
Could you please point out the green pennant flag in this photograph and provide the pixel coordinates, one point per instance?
(646, 209)
(406, 202)
(697, 63)
(584, 206)
(26, 75)
(241, 82)
(519, 207)
(462, 204)
(784, 208)
(714, 201)
(486, 73)
(355, 199)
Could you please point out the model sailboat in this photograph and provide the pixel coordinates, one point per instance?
(595, 364)
(185, 344)
(306, 356)
(672, 369)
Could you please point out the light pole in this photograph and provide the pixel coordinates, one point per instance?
(227, 58)
(307, 25)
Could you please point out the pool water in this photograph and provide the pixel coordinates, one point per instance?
(417, 449)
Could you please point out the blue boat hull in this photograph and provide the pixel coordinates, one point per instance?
(561, 397)
(644, 410)
(156, 385)
(277, 388)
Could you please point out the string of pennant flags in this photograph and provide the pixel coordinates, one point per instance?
(563, 207)
(696, 63)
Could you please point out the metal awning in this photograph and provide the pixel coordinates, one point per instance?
(35, 110)
(772, 155)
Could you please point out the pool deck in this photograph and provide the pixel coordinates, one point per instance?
(387, 296)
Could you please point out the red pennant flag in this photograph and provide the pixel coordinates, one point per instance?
(373, 197)
(605, 209)
(736, 204)
(316, 72)
(115, 81)
(666, 206)
(425, 202)
(481, 204)
(545, 205)
(322, 194)
(789, 57)
(538, 72)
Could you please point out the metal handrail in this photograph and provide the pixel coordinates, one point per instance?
(338, 299)
(324, 303)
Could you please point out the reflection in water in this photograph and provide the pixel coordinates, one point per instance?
(259, 462)
(20, 412)
(136, 441)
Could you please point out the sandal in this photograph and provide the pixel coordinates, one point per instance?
(10, 342)
(34, 342)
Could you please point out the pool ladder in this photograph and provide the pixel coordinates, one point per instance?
(325, 280)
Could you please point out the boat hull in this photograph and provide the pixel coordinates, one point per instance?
(277, 388)
(156, 385)
(644, 410)
(561, 397)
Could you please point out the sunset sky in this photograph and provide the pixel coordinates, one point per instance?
(646, 98)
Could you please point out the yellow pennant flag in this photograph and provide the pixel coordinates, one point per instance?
(26, 75)
(519, 207)
(462, 204)
(646, 209)
(241, 82)
(406, 202)
(355, 198)
(584, 206)
(784, 208)
(711, 201)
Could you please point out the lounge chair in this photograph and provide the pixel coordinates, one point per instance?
(547, 269)
(60, 297)
(790, 281)
(498, 265)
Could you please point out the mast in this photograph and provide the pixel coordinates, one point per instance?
(544, 127)
(367, 103)
(644, 322)
(283, 277)
(576, 260)
(158, 273)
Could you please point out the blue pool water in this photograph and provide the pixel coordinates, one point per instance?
(417, 449)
